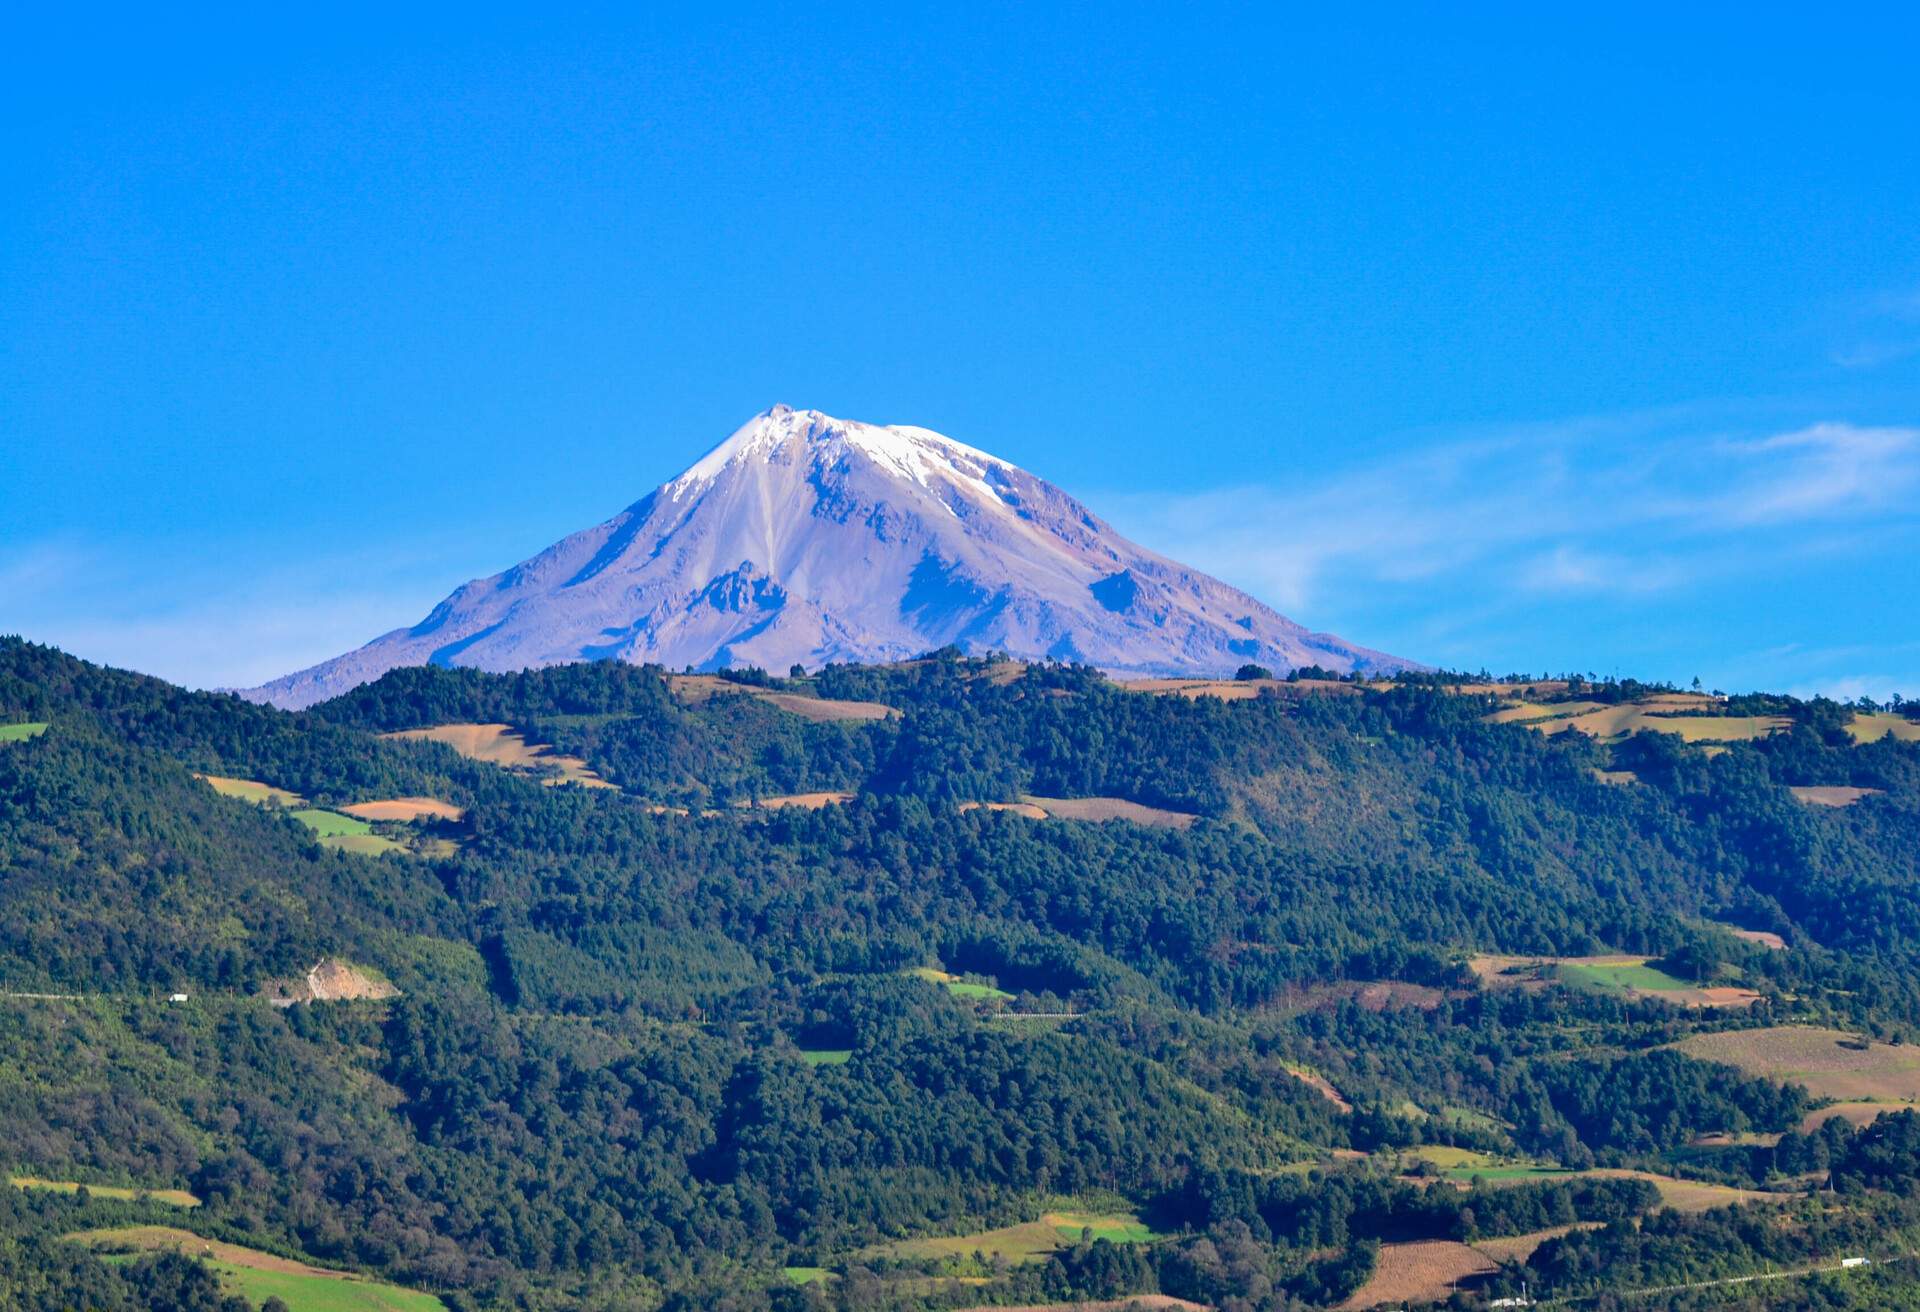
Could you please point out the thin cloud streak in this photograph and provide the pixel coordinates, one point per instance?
(1592, 543)
(1538, 510)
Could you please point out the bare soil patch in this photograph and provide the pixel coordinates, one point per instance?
(1691, 1195)
(161, 1238)
(1853, 1113)
(1830, 1063)
(1766, 938)
(406, 810)
(1097, 809)
(1424, 1271)
(1374, 995)
(497, 744)
(1027, 809)
(331, 980)
(827, 709)
(694, 689)
(1833, 794)
(1320, 1085)
(805, 801)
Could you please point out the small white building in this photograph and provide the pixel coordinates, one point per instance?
(1849, 1263)
(176, 997)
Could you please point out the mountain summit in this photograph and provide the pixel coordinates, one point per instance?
(808, 539)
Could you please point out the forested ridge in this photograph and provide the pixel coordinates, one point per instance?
(655, 1044)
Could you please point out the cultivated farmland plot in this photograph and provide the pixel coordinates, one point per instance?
(498, 744)
(1829, 1063)
(258, 1276)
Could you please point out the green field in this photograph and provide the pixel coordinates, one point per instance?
(959, 987)
(826, 1056)
(14, 733)
(1620, 977)
(258, 1276)
(1470, 1173)
(346, 833)
(304, 1293)
(331, 824)
(807, 1275)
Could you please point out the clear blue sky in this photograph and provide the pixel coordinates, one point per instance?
(1489, 337)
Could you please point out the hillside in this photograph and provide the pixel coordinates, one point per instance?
(805, 539)
(1365, 979)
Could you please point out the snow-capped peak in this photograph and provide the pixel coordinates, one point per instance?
(915, 454)
(805, 539)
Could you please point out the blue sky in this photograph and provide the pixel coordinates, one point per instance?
(1494, 338)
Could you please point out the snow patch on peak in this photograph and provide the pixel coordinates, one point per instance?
(918, 455)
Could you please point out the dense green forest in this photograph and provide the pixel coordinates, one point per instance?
(667, 1045)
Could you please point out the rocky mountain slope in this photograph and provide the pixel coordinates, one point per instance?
(808, 539)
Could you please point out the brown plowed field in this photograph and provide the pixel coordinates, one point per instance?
(406, 810)
(1424, 1271)
(1830, 1063)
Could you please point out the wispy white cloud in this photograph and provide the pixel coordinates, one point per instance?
(1592, 545)
(1825, 470)
(1879, 330)
(1872, 353)
(1543, 511)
